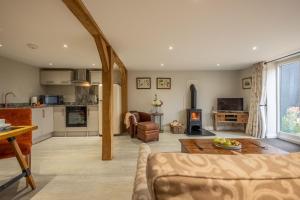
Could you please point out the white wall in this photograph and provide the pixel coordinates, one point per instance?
(20, 78)
(245, 93)
(210, 85)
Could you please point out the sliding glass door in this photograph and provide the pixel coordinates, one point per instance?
(289, 101)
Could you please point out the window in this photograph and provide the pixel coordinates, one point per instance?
(289, 101)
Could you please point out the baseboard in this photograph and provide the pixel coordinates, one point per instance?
(59, 134)
(209, 128)
(42, 138)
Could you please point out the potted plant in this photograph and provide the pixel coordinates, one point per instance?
(156, 103)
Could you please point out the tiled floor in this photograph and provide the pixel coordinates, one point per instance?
(71, 168)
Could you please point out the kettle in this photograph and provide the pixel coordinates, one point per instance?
(34, 101)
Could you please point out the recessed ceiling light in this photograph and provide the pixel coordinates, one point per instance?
(162, 64)
(254, 48)
(1, 45)
(171, 48)
(218, 65)
(50, 63)
(32, 46)
(65, 46)
(94, 64)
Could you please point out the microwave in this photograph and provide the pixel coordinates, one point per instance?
(51, 99)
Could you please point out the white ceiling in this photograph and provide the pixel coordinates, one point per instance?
(49, 24)
(203, 32)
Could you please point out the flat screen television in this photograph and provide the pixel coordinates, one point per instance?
(230, 104)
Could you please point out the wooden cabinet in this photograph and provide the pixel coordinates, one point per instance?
(43, 118)
(95, 77)
(56, 77)
(220, 117)
(230, 118)
(242, 118)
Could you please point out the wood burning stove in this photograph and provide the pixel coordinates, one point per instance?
(194, 121)
(194, 117)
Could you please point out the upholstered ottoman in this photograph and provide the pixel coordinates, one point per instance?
(147, 131)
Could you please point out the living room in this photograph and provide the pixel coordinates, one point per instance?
(171, 99)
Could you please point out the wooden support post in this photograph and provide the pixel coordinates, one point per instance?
(124, 92)
(108, 57)
(107, 108)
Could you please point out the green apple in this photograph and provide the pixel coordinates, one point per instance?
(227, 143)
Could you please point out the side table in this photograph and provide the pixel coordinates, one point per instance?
(157, 118)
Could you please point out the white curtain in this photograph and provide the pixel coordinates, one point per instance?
(256, 126)
(271, 100)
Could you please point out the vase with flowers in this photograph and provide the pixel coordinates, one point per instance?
(156, 103)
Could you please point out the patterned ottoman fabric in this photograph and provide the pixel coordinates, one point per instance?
(173, 176)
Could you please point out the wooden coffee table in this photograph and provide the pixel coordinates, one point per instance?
(249, 146)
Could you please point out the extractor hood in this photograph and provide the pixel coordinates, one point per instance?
(81, 78)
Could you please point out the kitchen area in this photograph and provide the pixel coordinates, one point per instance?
(69, 103)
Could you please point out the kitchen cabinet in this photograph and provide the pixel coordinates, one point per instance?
(60, 129)
(43, 118)
(95, 77)
(92, 121)
(56, 77)
(59, 114)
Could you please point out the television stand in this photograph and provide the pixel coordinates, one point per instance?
(230, 118)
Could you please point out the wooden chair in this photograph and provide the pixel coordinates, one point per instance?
(17, 117)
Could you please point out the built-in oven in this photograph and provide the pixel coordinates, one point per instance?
(76, 116)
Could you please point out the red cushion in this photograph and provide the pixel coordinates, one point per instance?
(16, 117)
(7, 150)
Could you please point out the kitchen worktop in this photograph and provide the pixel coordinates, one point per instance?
(24, 105)
(21, 105)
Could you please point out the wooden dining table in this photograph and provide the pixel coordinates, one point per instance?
(10, 135)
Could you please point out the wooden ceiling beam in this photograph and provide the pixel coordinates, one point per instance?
(118, 61)
(103, 52)
(108, 57)
(78, 8)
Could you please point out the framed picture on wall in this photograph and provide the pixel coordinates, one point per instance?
(247, 83)
(163, 83)
(143, 83)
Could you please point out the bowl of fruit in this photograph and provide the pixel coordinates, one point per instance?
(229, 144)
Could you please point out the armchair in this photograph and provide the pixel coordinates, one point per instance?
(139, 117)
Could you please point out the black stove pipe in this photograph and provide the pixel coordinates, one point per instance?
(193, 96)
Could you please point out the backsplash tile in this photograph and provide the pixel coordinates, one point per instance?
(86, 95)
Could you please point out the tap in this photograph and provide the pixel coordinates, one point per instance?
(5, 99)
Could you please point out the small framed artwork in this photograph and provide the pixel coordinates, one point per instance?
(143, 83)
(247, 83)
(163, 83)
